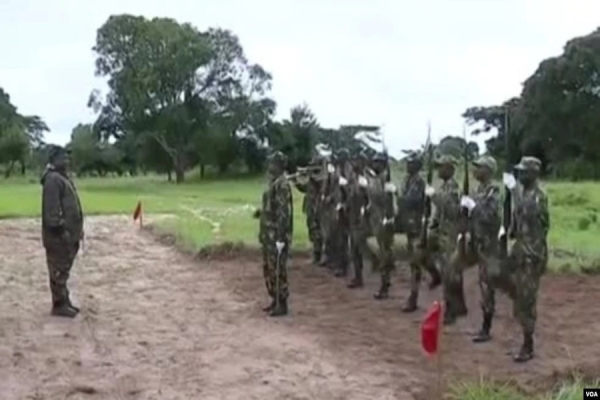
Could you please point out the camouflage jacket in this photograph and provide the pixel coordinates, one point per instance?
(357, 200)
(312, 195)
(382, 203)
(276, 217)
(531, 222)
(412, 204)
(486, 216)
(446, 213)
(61, 208)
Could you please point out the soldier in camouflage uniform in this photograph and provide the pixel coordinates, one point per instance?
(413, 207)
(382, 212)
(527, 261)
(358, 201)
(485, 217)
(275, 234)
(444, 229)
(62, 229)
(311, 207)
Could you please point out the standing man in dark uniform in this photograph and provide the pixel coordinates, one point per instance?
(62, 229)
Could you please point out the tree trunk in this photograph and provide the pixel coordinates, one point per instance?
(169, 176)
(9, 170)
(23, 168)
(179, 175)
(202, 170)
(180, 164)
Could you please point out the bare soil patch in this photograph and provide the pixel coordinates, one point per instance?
(159, 324)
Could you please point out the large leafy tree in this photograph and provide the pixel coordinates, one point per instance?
(191, 92)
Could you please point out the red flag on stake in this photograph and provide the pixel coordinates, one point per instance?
(137, 213)
(430, 329)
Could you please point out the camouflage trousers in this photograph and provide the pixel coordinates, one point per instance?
(519, 276)
(419, 259)
(444, 255)
(335, 234)
(60, 257)
(315, 232)
(385, 258)
(275, 271)
(359, 248)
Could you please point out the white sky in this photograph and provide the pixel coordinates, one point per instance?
(391, 62)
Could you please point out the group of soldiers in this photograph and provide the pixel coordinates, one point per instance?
(348, 200)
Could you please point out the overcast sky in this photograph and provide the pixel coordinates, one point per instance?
(395, 63)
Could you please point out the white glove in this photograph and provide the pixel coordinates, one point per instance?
(280, 246)
(343, 181)
(389, 187)
(387, 221)
(362, 211)
(429, 191)
(467, 202)
(362, 181)
(509, 180)
(502, 232)
(338, 207)
(330, 168)
(467, 237)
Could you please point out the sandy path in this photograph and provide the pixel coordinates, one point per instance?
(155, 325)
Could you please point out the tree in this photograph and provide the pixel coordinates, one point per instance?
(455, 146)
(191, 92)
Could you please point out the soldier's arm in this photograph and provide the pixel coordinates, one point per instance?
(302, 187)
(544, 213)
(415, 197)
(52, 211)
(283, 201)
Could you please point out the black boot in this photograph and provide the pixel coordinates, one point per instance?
(316, 257)
(356, 283)
(436, 280)
(280, 309)
(411, 303)
(526, 352)
(72, 306)
(63, 310)
(341, 272)
(484, 334)
(269, 307)
(383, 293)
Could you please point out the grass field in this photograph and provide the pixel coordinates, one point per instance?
(198, 207)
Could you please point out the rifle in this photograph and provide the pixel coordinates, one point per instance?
(466, 226)
(427, 213)
(507, 206)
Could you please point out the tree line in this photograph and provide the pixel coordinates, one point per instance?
(180, 98)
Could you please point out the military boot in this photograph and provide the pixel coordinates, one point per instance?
(280, 309)
(411, 303)
(484, 334)
(356, 283)
(526, 352)
(316, 257)
(63, 310)
(341, 272)
(72, 306)
(383, 293)
(436, 280)
(461, 307)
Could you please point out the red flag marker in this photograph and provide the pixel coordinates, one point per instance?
(137, 213)
(430, 329)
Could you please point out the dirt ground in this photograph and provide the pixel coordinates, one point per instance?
(156, 324)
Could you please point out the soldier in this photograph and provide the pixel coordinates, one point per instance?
(311, 206)
(486, 220)
(62, 229)
(381, 213)
(275, 234)
(358, 200)
(413, 207)
(342, 226)
(443, 235)
(521, 272)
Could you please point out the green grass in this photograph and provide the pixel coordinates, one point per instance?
(574, 219)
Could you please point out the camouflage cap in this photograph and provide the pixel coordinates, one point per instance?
(529, 163)
(56, 151)
(486, 161)
(278, 158)
(444, 159)
(413, 157)
(379, 157)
